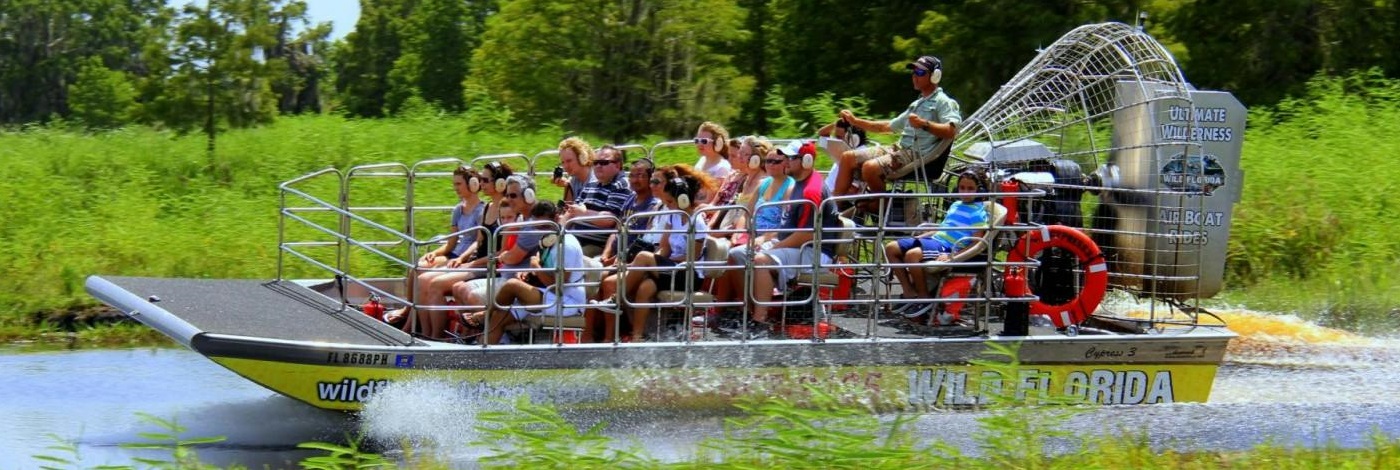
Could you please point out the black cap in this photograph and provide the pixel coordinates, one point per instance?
(927, 62)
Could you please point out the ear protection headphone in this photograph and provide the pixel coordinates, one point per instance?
(474, 184)
(755, 161)
(936, 75)
(496, 171)
(678, 188)
(527, 188)
(549, 240)
(808, 160)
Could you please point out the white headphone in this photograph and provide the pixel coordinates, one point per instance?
(496, 170)
(755, 162)
(678, 188)
(474, 184)
(549, 240)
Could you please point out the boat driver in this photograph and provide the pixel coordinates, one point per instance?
(927, 122)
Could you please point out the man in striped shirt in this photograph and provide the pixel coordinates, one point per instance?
(608, 193)
(966, 218)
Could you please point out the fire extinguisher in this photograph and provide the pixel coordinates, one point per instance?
(373, 308)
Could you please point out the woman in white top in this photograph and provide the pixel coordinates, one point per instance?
(711, 141)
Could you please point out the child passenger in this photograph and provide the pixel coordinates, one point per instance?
(965, 218)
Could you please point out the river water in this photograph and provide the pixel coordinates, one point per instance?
(1285, 381)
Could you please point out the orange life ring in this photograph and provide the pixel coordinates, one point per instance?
(1076, 310)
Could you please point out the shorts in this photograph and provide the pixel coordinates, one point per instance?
(549, 307)
(674, 280)
(931, 247)
(892, 159)
(792, 256)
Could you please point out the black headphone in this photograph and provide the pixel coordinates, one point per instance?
(677, 187)
(651, 165)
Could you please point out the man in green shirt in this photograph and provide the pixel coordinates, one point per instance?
(929, 121)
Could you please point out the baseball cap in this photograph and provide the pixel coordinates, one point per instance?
(927, 62)
(798, 148)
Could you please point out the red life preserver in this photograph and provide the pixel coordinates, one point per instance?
(1076, 310)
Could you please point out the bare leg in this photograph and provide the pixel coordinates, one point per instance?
(916, 255)
(847, 173)
(873, 173)
(893, 254)
(646, 293)
(644, 259)
(607, 289)
(514, 291)
(763, 282)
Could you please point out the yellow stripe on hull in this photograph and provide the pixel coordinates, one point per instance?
(880, 387)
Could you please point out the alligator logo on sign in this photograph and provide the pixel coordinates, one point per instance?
(1193, 173)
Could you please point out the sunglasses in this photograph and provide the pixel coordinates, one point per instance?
(918, 72)
(656, 182)
(703, 140)
(603, 162)
(513, 195)
(776, 161)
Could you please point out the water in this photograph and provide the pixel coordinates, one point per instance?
(1285, 382)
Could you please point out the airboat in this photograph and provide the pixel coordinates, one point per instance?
(1114, 186)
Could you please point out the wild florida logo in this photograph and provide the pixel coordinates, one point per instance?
(1193, 173)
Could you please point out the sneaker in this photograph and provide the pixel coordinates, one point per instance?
(904, 308)
(605, 307)
(920, 310)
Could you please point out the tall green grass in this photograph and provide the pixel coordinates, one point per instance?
(1311, 235)
(1314, 232)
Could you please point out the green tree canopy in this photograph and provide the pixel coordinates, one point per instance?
(620, 69)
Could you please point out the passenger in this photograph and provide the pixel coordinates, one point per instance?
(523, 298)
(738, 187)
(677, 186)
(929, 120)
(575, 168)
(607, 194)
(710, 141)
(467, 214)
(966, 217)
(643, 200)
(792, 245)
(776, 186)
(837, 138)
(518, 246)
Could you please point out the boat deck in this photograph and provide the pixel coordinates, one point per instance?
(274, 310)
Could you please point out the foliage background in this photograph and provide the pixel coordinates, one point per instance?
(142, 138)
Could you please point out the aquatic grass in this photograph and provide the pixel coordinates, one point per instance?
(348, 456)
(169, 438)
(825, 432)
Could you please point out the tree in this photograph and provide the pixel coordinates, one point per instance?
(44, 44)
(983, 43)
(1261, 50)
(848, 50)
(101, 98)
(364, 60)
(219, 72)
(620, 69)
